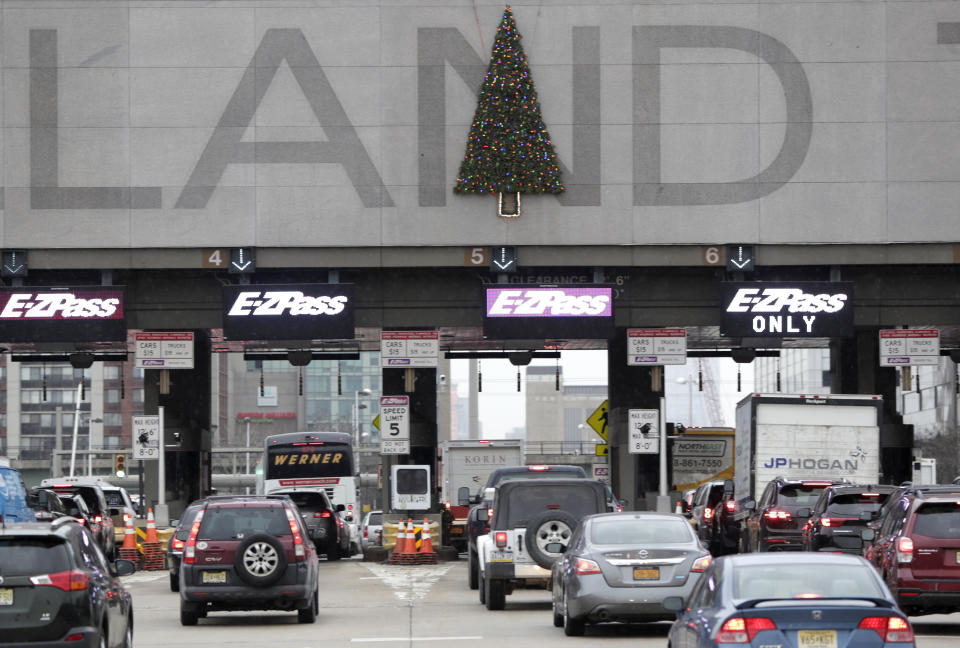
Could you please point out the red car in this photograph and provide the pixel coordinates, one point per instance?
(917, 551)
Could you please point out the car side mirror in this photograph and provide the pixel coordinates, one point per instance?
(474, 499)
(750, 505)
(803, 513)
(463, 496)
(341, 507)
(125, 567)
(483, 514)
(673, 604)
(867, 534)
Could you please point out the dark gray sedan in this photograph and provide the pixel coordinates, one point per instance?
(620, 567)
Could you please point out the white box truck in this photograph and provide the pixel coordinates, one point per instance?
(464, 468)
(798, 436)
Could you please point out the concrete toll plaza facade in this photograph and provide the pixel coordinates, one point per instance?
(180, 153)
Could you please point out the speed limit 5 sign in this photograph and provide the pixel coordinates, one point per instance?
(395, 425)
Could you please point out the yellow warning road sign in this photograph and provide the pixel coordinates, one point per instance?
(603, 450)
(598, 421)
(376, 422)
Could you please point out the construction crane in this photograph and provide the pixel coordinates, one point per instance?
(712, 399)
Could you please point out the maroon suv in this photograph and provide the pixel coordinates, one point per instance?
(248, 553)
(917, 551)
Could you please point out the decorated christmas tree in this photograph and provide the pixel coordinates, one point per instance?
(508, 150)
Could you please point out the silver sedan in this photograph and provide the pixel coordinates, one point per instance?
(620, 567)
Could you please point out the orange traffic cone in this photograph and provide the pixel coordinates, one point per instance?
(678, 509)
(129, 535)
(426, 547)
(151, 528)
(401, 546)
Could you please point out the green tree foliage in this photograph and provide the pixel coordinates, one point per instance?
(508, 149)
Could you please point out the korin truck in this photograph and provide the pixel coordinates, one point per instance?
(797, 436)
(464, 468)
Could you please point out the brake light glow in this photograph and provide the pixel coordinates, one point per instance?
(775, 514)
(835, 521)
(97, 518)
(73, 580)
(701, 563)
(891, 629)
(816, 484)
(177, 544)
(298, 549)
(80, 520)
(500, 538)
(584, 567)
(905, 550)
(76, 636)
(538, 468)
(743, 630)
(730, 505)
(126, 516)
(323, 514)
(870, 494)
(189, 551)
(707, 513)
(490, 513)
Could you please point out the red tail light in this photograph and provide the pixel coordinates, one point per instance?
(743, 630)
(189, 551)
(891, 629)
(490, 513)
(707, 513)
(701, 563)
(365, 534)
(298, 549)
(68, 581)
(584, 566)
(80, 520)
(323, 514)
(835, 521)
(905, 550)
(730, 505)
(500, 538)
(177, 544)
(775, 515)
(98, 519)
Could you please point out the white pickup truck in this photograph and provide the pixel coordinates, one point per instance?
(531, 526)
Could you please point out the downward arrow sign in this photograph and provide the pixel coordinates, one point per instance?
(241, 267)
(740, 265)
(13, 270)
(503, 266)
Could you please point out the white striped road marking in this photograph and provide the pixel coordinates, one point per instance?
(409, 582)
(387, 639)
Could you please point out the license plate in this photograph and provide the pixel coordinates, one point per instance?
(501, 556)
(817, 639)
(214, 577)
(646, 574)
(6, 596)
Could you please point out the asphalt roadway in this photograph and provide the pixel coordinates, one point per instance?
(364, 603)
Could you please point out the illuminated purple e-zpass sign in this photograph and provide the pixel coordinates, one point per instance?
(524, 311)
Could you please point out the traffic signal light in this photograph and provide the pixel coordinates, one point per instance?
(120, 465)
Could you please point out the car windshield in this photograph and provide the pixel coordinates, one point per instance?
(23, 556)
(376, 519)
(799, 495)
(855, 503)
(804, 581)
(308, 502)
(229, 523)
(186, 521)
(938, 520)
(632, 531)
(72, 507)
(527, 503)
(114, 498)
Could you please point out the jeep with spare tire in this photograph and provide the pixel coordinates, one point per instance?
(530, 527)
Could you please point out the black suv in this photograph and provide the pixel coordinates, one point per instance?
(45, 503)
(101, 524)
(772, 523)
(703, 513)
(531, 526)
(324, 524)
(248, 552)
(178, 539)
(58, 588)
(478, 518)
(840, 515)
